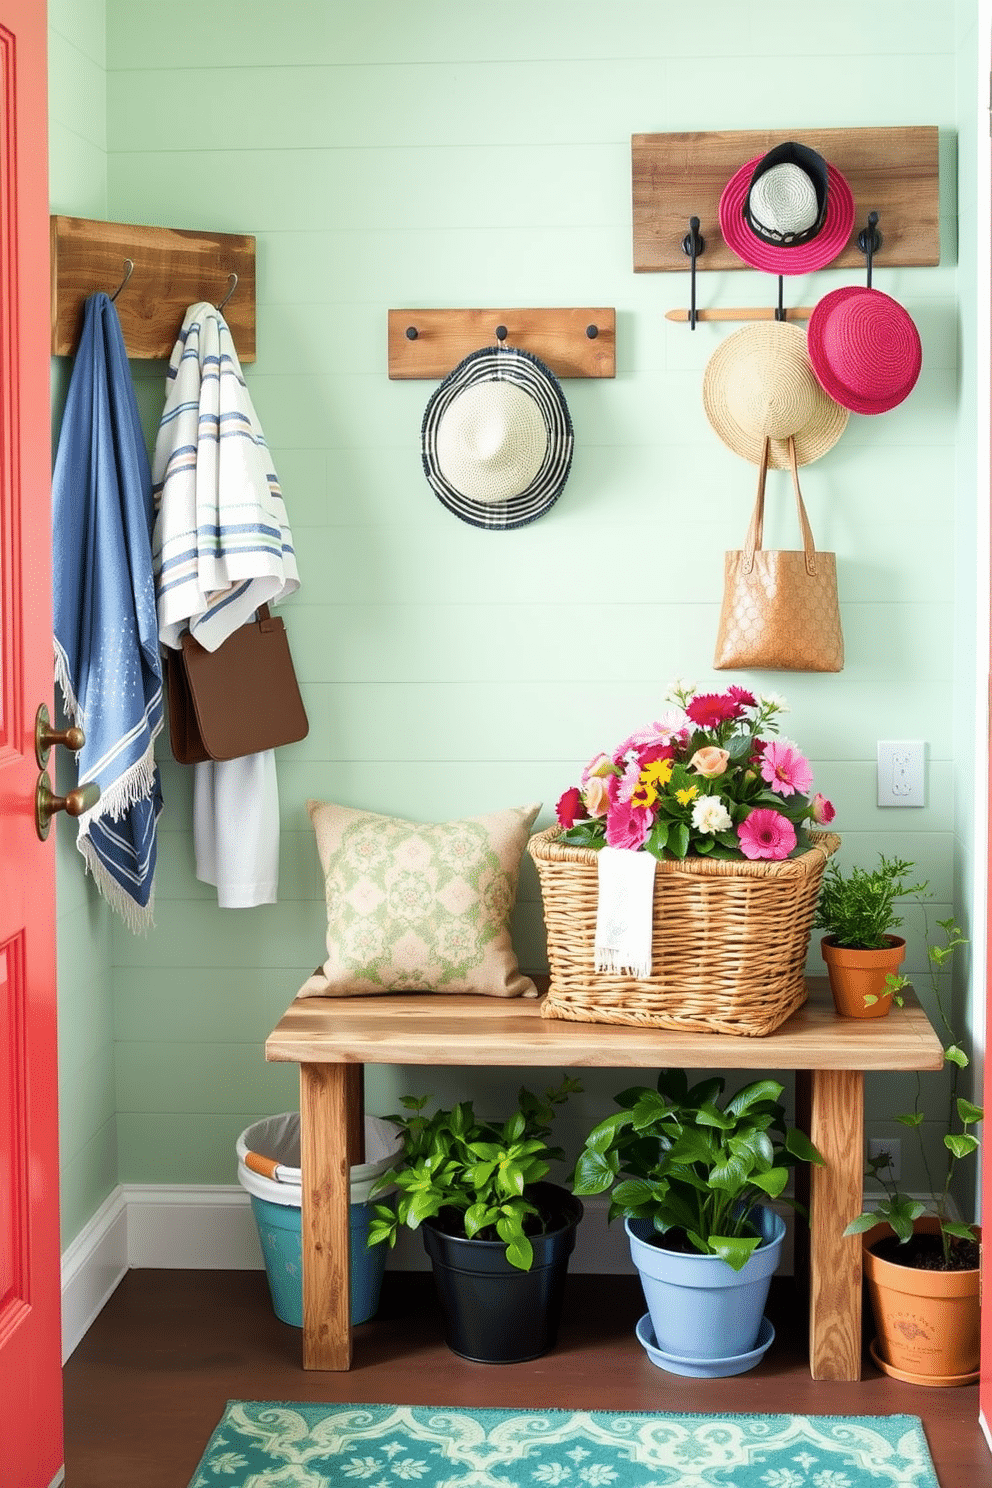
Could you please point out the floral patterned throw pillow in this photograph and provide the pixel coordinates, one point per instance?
(419, 907)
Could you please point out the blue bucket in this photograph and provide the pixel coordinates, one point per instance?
(276, 1203)
(280, 1232)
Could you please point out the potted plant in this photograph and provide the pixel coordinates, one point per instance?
(691, 1177)
(497, 1234)
(857, 910)
(921, 1265)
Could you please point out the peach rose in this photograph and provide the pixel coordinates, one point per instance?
(596, 796)
(710, 761)
(598, 768)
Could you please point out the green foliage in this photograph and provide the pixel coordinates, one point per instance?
(897, 1209)
(476, 1174)
(858, 909)
(675, 1156)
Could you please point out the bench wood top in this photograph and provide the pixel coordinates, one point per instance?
(423, 1028)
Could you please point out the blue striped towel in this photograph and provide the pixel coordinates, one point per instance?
(222, 544)
(107, 659)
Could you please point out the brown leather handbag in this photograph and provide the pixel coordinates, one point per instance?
(780, 609)
(240, 699)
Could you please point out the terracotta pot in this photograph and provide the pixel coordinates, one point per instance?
(927, 1322)
(855, 975)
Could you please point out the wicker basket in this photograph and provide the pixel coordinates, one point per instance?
(728, 948)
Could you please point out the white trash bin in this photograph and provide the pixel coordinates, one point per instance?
(276, 1203)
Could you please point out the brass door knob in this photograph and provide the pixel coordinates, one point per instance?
(74, 803)
(45, 736)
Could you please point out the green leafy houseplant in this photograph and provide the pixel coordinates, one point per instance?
(897, 1209)
(697, 1169)
(475, 1177)
(857, 909)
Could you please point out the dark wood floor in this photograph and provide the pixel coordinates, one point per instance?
(148, 1383)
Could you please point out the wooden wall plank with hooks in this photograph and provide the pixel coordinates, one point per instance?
(890, 170)
(560, 338)
(173, 269)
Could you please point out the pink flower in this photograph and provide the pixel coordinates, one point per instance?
(786, 770)
(596, 796)
(600, 765)
(765, 834)
(821, 809)
(710, 761)
(742, 696)
(570, 809)
(628, 826)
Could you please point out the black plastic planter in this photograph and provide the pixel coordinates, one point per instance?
(494, 1313)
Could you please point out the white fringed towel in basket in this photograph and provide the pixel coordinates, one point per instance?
(624, 912)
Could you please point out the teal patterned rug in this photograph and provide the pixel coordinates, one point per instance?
(272, 1444)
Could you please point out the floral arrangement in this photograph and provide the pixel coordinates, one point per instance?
(707, 778)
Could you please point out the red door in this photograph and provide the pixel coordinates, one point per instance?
(30, 1343)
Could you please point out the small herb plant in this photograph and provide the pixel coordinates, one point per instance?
(897, 1209)
(857, 909)
(675, 1156)
(475, 1177)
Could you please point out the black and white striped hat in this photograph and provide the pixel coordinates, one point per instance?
(497, 439)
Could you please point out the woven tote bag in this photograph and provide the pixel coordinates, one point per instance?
(780, 609)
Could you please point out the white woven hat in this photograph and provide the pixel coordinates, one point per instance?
(759, 384)
(497, 439)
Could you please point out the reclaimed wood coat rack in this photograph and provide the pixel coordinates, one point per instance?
(172, 268)
(679, 178)
(572, 342)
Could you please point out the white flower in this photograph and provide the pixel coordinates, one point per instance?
(710, 815)
(361, 1467)
(773, 700)
(597, 1474)
(551, 1473)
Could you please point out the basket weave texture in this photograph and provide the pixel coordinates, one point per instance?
(728, 945)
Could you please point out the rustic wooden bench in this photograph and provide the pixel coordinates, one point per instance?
(332, 1039)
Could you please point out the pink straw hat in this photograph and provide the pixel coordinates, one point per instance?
(864, 348)
(787, 212)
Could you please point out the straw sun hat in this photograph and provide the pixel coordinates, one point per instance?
(760, 383)
(497, 439)
(787, 212)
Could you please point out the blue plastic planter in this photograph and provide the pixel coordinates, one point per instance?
(700, 1307)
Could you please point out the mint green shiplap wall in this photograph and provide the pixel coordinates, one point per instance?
(404, 154)
(87, 1093)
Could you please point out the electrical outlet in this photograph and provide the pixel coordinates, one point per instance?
(892, 1145)
(901, 773)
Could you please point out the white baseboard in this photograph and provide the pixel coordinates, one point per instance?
(211, 1227)
(92, 1266)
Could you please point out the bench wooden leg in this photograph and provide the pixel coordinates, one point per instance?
(837, 1130)
(330, 1123)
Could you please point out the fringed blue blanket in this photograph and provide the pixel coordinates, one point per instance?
(107, 660)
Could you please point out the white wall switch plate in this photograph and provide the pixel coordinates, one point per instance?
(901, 772)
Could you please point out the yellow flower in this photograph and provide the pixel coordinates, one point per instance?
(644, 793)
(658, 773)
(685, 796)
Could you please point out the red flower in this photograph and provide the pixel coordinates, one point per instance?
(742, 696)
(711, 709)
(570, 809)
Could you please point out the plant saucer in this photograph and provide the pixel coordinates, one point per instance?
(703, 1368)
(918, 1379)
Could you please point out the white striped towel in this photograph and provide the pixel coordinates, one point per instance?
(222, 544)
(624, 912)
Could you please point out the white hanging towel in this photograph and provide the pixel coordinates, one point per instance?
(624, 912)
(220, 548)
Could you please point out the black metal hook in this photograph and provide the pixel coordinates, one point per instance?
(780, 308)
(693, 246)
(232, 284)
(128, 271)
(412, 333)
(501, 334)
(592, 331)
(870, 241)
